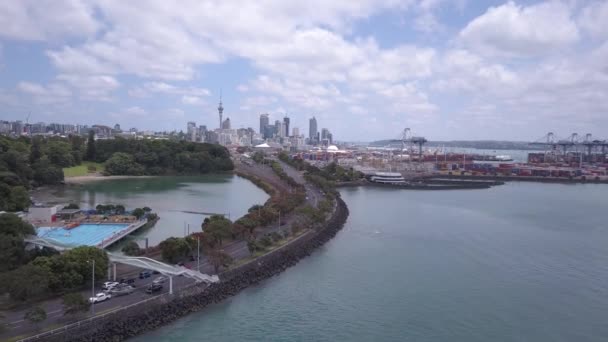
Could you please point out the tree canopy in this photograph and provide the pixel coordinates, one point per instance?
(218, 227)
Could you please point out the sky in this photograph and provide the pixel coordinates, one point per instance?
(366, 69)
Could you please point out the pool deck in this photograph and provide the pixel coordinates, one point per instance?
(84, 238)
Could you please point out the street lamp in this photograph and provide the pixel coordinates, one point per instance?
(93, 286)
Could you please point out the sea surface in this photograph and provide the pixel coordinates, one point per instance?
(179, 201)
(519, 262)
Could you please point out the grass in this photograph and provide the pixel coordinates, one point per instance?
(82, 169)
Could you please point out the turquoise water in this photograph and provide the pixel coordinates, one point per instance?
(84, 234)
(520, 262)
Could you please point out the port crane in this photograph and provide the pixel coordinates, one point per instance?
(406, 139)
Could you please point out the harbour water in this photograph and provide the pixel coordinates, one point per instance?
(177, 200)
(519, 262)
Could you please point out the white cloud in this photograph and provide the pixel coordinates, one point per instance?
(53, 93)
(46, 19)
(594, 19)
(91, 88)
(192, 100)
(515, 30)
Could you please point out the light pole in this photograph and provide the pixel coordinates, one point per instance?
(93, 286)
(198, 254)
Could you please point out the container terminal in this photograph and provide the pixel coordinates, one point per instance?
(572, 159)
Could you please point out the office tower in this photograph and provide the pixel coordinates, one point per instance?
(312, 129)
(226, 124)
(286, 124)
(295, 132)
(264, 121)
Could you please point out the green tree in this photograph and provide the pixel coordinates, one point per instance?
(80, 258)
(123, 164)
(12, 247)
(147, 209)
(131, 248)
(138, 212)
(26, 282)
(35, 315)
(119, 209)
(249, 223)
(74, 303)
(219, 258)
(218, 227)
(46, 173)
(71, 206)
(35, 150)
(60, 153)
(91, 148)
(174, 249)
(20, 198)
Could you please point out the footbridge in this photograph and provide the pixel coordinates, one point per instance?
(142, 262)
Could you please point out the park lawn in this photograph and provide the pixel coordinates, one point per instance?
(82, 169)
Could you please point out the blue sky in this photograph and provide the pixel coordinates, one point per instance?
(366, 69)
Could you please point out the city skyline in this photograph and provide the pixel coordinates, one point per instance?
(448, 70)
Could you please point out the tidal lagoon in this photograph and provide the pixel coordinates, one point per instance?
(519, 262)
(179, 201)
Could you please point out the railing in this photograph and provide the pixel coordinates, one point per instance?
(67, 327)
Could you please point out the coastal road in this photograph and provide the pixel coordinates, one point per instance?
(237, 249)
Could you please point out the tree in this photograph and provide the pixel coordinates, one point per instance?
(46, 173)
(123, 164)
(26, 282)
(71, 206)
(35, 315)
(218, 227)
(91, 148)
(60, 153)
(219, 258)
(131, 248)
(35, 151)
(74, 303)
(20, 198)
(138, 212)
(249, 223)
(12, 248)
(174, 249)
(147, 209)
(119, 209)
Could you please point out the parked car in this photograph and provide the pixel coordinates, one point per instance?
(159, 280)
(155, 272)
(145, 274)
(108, 285)
(100, 297)
(129, 281)
(154, 288)
(122, 290)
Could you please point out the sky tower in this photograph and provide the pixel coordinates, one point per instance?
(220, 109)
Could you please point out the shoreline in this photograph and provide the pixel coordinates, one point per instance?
(97, 177)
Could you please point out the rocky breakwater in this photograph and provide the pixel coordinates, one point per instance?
(146, 317)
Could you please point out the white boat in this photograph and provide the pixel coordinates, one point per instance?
(387, 178)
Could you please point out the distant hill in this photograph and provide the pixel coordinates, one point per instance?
(480, 144)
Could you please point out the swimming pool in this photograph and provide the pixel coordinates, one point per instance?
(85, 234)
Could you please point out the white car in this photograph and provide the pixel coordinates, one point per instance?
(108, 285)
(100, 297)
(159, 280)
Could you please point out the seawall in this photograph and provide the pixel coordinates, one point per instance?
(156, 313)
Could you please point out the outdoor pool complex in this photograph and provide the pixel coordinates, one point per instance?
(85, 234)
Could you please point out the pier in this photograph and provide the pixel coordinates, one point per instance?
(115, 237)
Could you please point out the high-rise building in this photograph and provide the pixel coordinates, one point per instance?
(312, 129)
(220, 110)
(117, 128)
(191, 131)
(295, 132)
(286, 124)
(264, 121)
(226, 124)
(324, 133)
